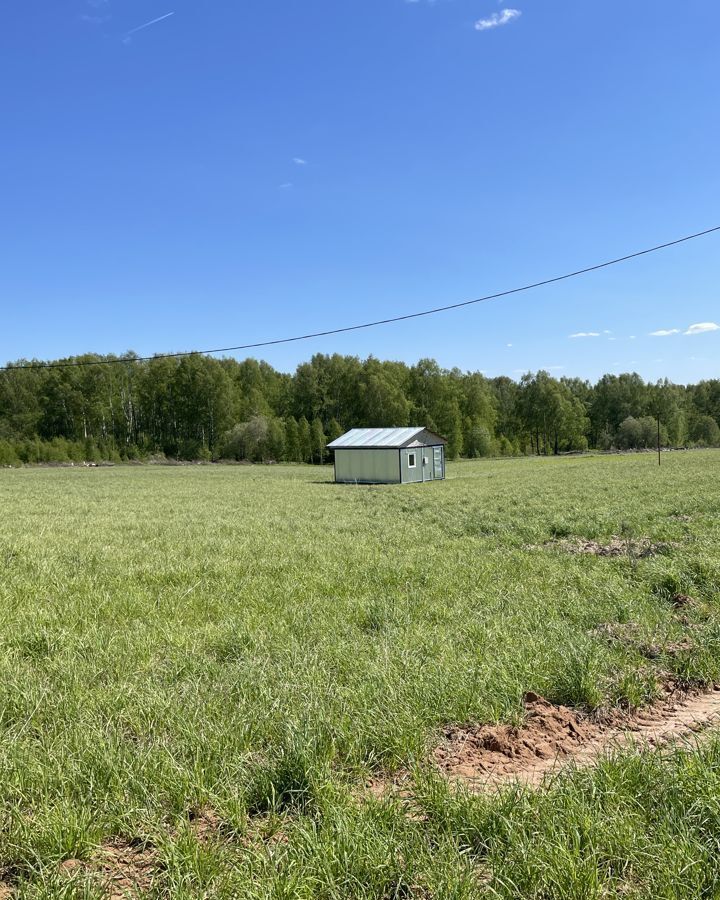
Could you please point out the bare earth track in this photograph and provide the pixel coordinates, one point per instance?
(554, 737)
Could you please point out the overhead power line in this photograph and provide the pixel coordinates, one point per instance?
(377, 322)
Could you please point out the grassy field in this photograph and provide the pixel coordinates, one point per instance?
(207, 663)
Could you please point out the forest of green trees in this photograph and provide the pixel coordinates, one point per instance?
(200, 408)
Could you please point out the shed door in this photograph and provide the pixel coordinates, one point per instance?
(438, 462)
(412, 468)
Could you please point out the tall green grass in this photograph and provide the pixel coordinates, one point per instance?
(259, 640)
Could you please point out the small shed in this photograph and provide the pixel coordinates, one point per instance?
(388, 456)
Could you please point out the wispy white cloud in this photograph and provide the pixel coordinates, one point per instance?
(285, 186)
(584, 334)
(702, 328)
(100, 12)
(508, 345)
(697, 328)
(299, 161)
(494, 20)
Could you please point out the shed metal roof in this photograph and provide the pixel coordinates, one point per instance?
(358, 438)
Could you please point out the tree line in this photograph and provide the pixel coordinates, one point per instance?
(201, 408)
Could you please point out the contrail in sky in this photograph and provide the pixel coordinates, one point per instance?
(147, 25)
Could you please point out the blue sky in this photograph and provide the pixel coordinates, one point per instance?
(241, 171)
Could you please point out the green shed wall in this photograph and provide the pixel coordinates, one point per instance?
(372, 466)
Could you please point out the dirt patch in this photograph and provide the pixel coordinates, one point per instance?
(208, 828)
(548, 732)
(669, 648)
(205, 824)
(126, 869)
(379, 785)
(123, 869)
(618, 631)
(70, 866)
(616, 547)
(551, 737)
(628, 634)
(268, 831)
(399, 785)
(6, 891)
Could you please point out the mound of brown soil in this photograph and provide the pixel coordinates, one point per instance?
(553, 736)
(548, 732)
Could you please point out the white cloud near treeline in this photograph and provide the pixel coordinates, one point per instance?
(584, 334)
(504, 17)
(664, 332)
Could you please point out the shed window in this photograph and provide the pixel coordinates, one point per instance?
(411, 461)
